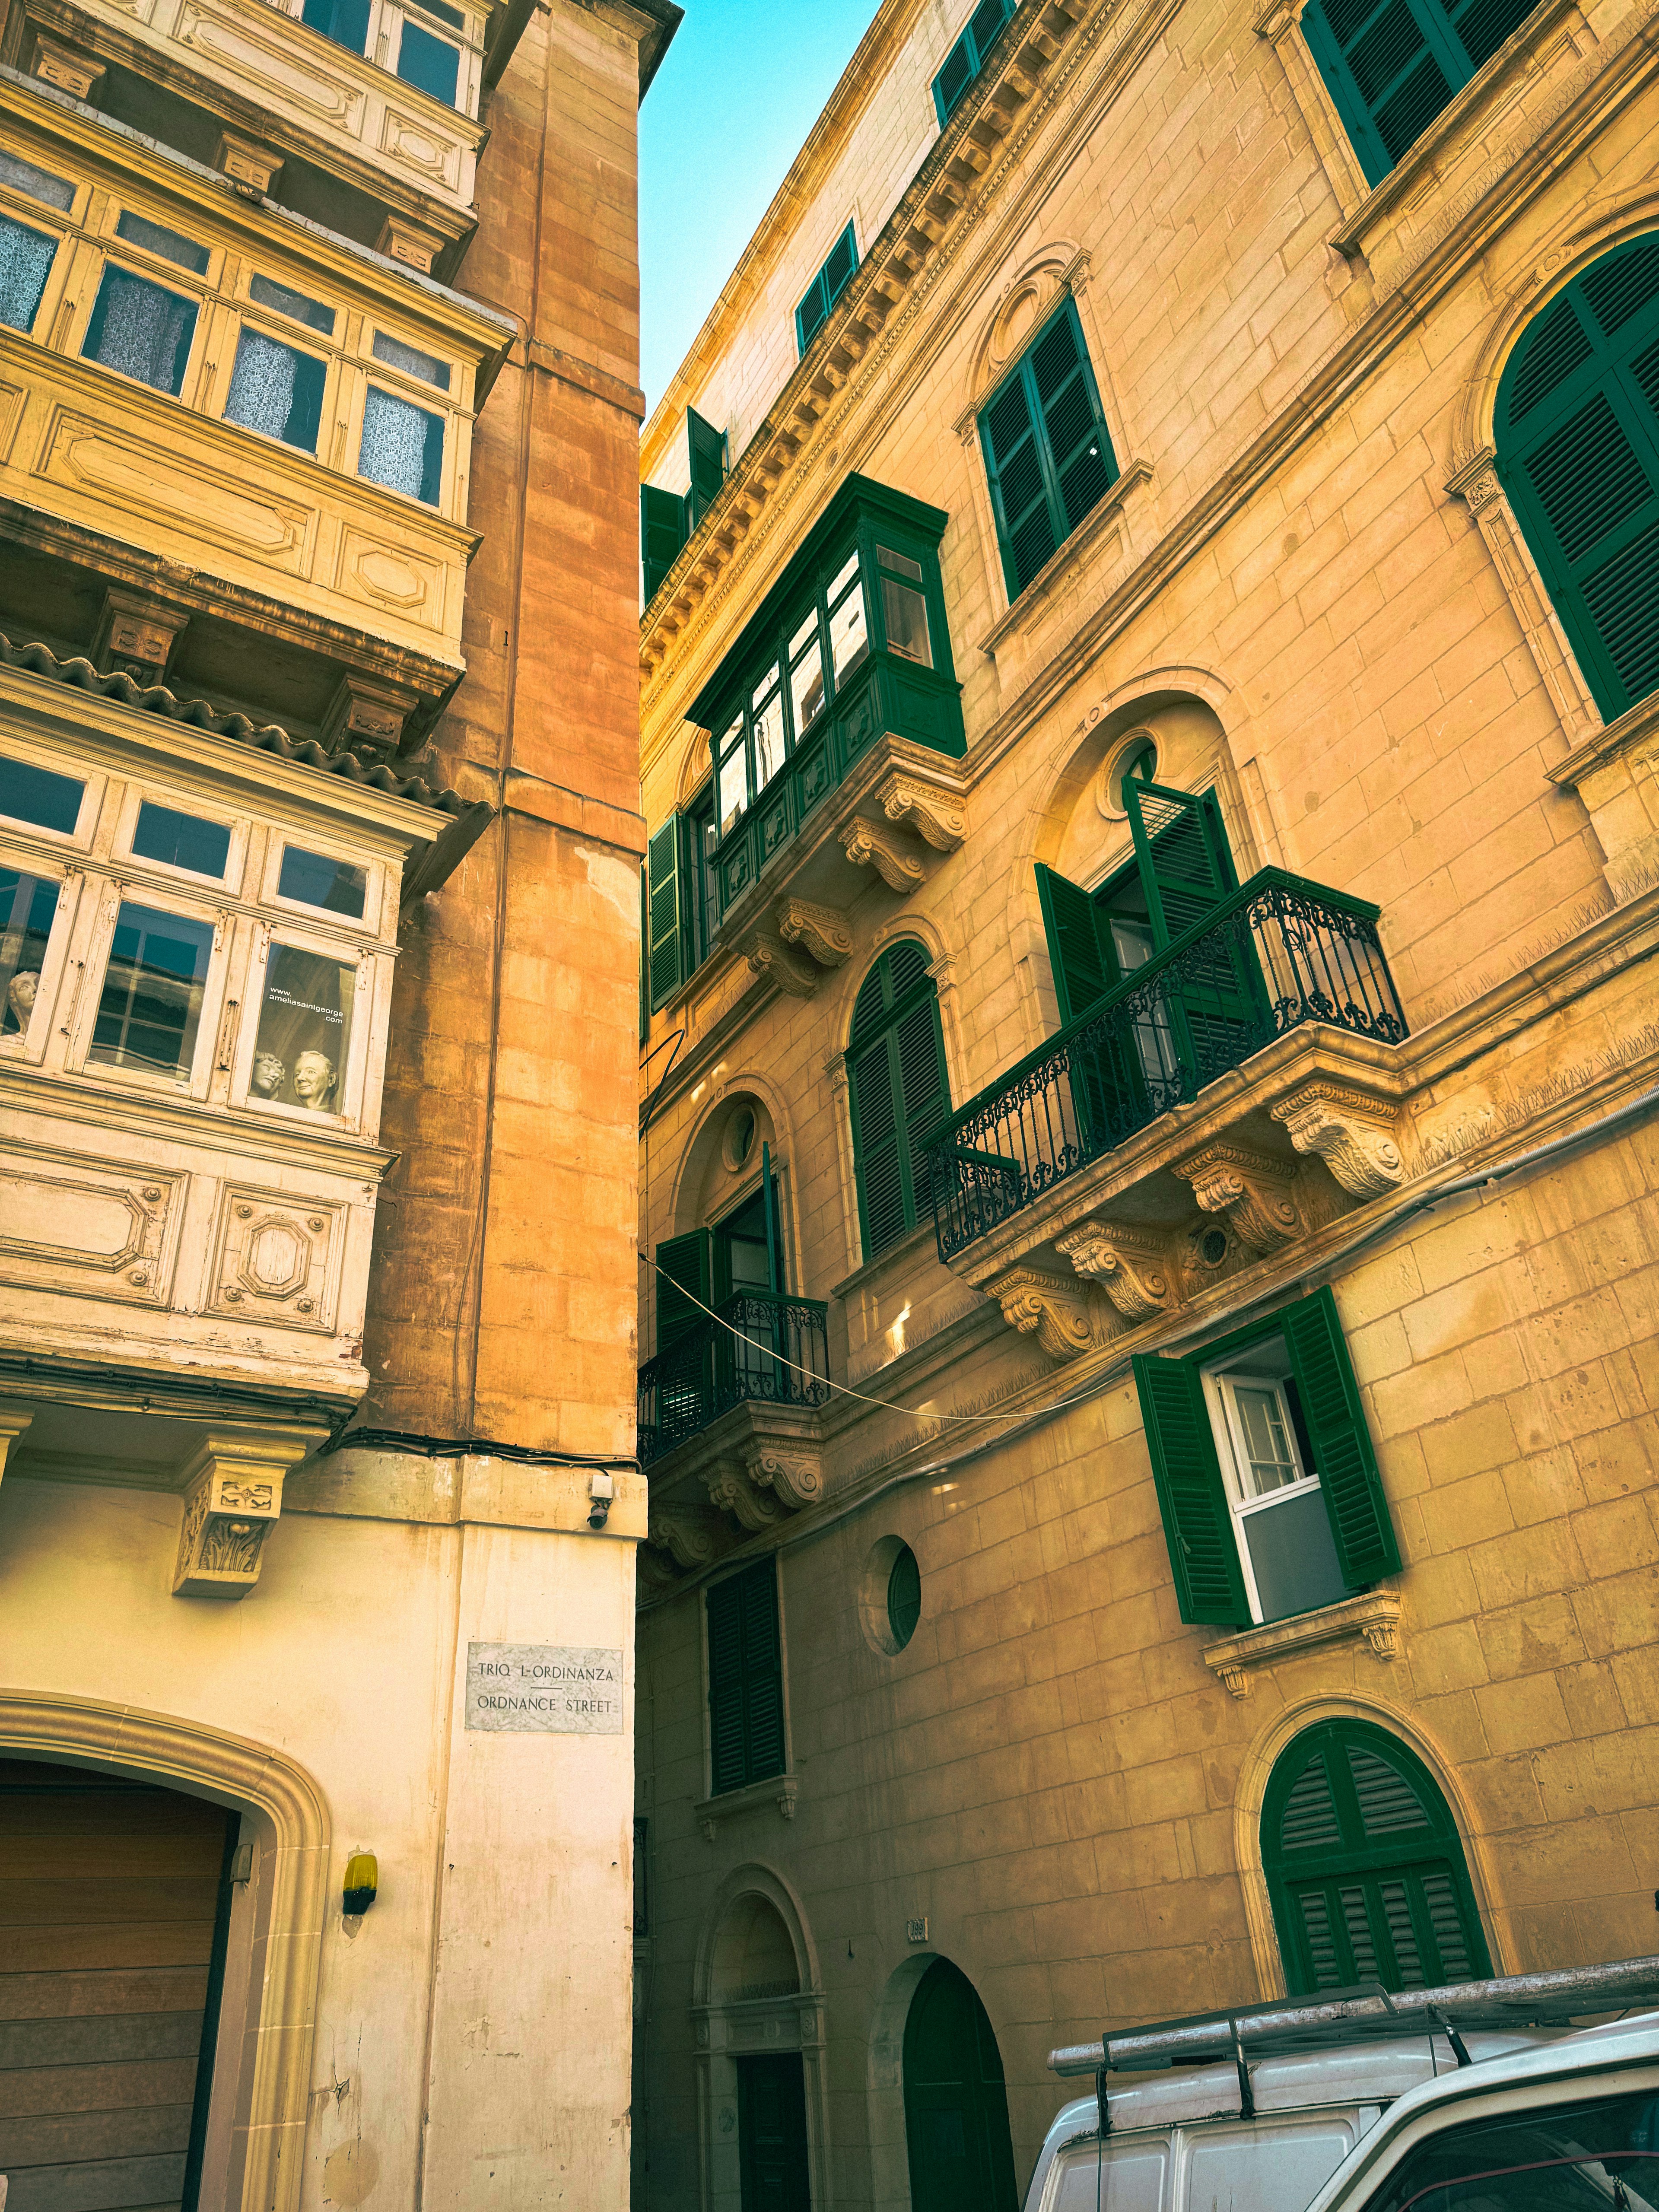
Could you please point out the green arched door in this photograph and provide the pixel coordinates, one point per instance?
(956, 2107)
(1366, 1867)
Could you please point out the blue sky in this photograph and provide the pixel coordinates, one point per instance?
(740, 89)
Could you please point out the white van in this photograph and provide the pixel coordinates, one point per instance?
(1302, 2088)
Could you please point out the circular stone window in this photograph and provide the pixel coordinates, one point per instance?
(890, 1595)
(740, 1136)
(1134, 755)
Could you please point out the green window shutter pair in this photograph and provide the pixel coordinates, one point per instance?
(1364, 1866)
(684, 1264)
(826, 288)
(967, 58)
(706, 448)
(667, 518)
(668, 911)
(746, 1679)
(1392, 65)
(1576, 433)
(1192, 1496)
(898, 1092)
(1046, 454)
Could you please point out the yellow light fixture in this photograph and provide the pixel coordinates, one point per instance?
(362, 1877)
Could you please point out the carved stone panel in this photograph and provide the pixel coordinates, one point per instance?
(233, 1499)
(92, 1227)
(275, 1261)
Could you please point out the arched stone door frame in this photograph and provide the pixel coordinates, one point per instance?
(262, 2067)
(725, 2029)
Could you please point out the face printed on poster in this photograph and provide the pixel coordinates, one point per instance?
(305, 1031)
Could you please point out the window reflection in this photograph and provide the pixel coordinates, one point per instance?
(305, 1031)
(40, 796)
(314, 879)
(769, 733)
(905, 613)
(181, 840)
(153, 990)
(28, 904)
(733, 793)
(807, 673)
(849, 637)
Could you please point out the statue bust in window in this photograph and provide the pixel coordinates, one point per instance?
(314, 1082)
(269, 1075)
(20, 999)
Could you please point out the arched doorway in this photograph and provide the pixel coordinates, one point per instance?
(956, 2104)
(761, 2038)
(1364, 1866)
(115, 1893)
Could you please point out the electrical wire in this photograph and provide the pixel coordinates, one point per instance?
(461, 1447)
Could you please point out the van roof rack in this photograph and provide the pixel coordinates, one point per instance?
(1368, 2013)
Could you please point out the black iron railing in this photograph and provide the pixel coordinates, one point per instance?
(1276, 953)
(773, 1349)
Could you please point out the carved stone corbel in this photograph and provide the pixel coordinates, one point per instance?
(1253, 1191)
(729, 1487)
(1353, 1133)
(818, 930)
(794, 1477)
(1046, 1307)
(937, 815)
(67, 67)
(798, 976)
(232, 1500)
(690, 1538)
(873, 844)
(365, 716)
(1132, 1266)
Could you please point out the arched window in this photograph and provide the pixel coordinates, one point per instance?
(1577, 440)
(1391, 65)
(956, 2103)
(1365, 1867)
(899, 1092)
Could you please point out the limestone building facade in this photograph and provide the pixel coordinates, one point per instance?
(1147, 1170)
(319, 847)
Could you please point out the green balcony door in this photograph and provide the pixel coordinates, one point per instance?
(956, 2104)
(772, 2134)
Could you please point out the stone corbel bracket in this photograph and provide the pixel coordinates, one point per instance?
(933, 811)
(690, 1537)
(1056, 1313)
(729, 1487)
(232, 1500)
(1253, 1191)
(1131, 1264)
(894, 856)
(794, 1478)
(819, 931)
(790, 970)
(1372, 1619)
(1352, 1132)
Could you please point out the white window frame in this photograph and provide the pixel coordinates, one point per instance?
(92, 798)
(161, 898)
(364, 964)
(1225, 1426)
(165, 873)
(279, 840)
(28, 1046)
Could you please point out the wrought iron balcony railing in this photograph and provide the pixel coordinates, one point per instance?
(779, 1357)
(1276, 952)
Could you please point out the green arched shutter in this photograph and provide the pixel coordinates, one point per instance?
(1365, 1867)
(1576, 433)
(956, 2101)
(898, 1093)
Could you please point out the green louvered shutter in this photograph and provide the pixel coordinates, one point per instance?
(706, 448)
(826, 288)
(645, 964)
(1080, 463)
(662, 533)
(1191, 1495)
(1082, 967)
(1019, 491)
(1186, 867)
(683, 1265)
(667, 918)
(924, 1097)
(1352, 1489)
(1392, 65)
(898, 1092)
(746, 1679)
(1578, 443)
(876, 1147)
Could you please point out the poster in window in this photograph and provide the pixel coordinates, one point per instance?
(305, 1032)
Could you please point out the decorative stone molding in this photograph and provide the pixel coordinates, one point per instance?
(275, 1261)
(1131, 1264)
(795, 1477)
(136, 636)
(818, 930)
(798, 977)
(247, 161)
(938, 816)
(367, 716)
(1253, 1191)
(232, 1500)
(1044, 1306)
(690, 1538)
(1615, 772)
(892, 855)
(779, 1790)
(1353, 1133)
(70, 70)
(1373, 1619)
(730, 1488)
(15, 1419)
(411, 243)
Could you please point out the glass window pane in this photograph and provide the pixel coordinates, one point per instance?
(305, 1031)
(1293, 1555)
(768, 734)
(138, 230)
(180, 840)
(430, 64)
(39, 184)
(275, 389)
(140, 329)
(806, 673)
(312, 879)
(264, 293)
(1270, 1461)
(152, 995)
(905, 611)
(849, 636)
(396, 354)
(733, 778)
(26, 259)
(345, 22)
(403, 446)
(444, 12)
(901, 563)
(36, 795)
(28, 904)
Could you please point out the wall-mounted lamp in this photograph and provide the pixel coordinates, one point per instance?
(362, 1877)
(600, 1491)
